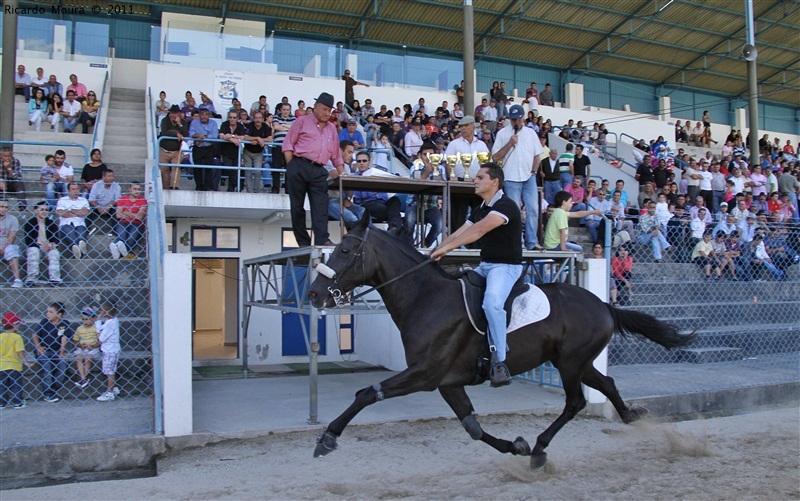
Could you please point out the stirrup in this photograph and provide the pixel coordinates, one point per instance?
(499, 375)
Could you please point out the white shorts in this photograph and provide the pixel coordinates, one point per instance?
(110, 363)
(11, 252)
(87, 352)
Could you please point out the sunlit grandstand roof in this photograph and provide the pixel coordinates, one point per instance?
(672, 42)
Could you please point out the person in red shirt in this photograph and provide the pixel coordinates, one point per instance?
(621, 266)
(131, 211)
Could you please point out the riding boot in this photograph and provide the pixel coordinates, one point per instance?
(499, 375)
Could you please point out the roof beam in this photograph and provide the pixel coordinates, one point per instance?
(514, 20)
(714, 8)
(497, 20)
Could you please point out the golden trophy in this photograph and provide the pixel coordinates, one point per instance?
(466, 161)
(417, 166)
(451, 160)
(436, 159)
(483, 157)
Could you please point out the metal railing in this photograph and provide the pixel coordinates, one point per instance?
(52, 145)
(98, 136)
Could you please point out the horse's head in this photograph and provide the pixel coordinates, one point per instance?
(345, 269)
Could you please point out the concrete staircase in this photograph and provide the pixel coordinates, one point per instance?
(124, 146)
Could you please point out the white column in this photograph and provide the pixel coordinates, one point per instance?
(664, 108)
(740, 121)
(596, 281)
(176, 340)
(314, 67)
(573, 96)
(351, 63)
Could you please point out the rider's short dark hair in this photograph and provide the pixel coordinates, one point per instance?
(495, 172)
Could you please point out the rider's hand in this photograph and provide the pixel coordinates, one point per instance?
(438, 253)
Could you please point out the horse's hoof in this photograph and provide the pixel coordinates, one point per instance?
(521, 447)
(635, 414)
(326, 443)
(538, 461)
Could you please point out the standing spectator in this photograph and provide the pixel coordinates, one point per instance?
(413, 139)
(258, 134)
(170, 149)
(206, 177)
(232, 131)
(70, 112)
(86, 340)
(566, 167)
(546, 97)
(37, 109)
(644, 172)
(22, 83)
(11, 180)
(50, 339)
(519, 148)
(72, 211)
(12, 358)
(41, 236)
(9, 250)
(349, 86)
(93, 171)
(162, 107)
(131, 211)
(103, 201)
(621, 266)
(108, 328)
(281, 123)
(551, 176)
(789, 185)
(705, 185)
(693, 177)
(301, 109)
(759, 181)
(53, 87)
(581, 165)
(78, 88)
(310, 144)
(89, 109)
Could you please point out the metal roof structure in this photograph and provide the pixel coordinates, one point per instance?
(695, 43)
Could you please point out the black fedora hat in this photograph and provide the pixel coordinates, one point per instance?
(325, 99)
(174, 108)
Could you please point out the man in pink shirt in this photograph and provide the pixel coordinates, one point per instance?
(79, 88)
(311, 143)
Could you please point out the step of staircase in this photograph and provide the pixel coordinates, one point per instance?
(709, 355)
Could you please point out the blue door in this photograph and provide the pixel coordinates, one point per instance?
(293, 341)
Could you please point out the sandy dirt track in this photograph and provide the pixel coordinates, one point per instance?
(746, 456)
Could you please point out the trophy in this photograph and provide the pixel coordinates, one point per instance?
(435, 159)
(483, 157)
(452, 160)
(417, 166)
(466, 161)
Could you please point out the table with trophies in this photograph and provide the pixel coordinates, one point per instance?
(446, 184)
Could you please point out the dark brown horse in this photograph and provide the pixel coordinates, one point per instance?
(442, 348)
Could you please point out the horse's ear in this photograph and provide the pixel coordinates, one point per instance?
(363, 223)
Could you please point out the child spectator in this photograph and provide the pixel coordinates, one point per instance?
(722, 256)
(786, 211)
(703, 256)
(621, 266)
(86, 340)
(50, 339)
(662, 210)
(108, 327)
(556, 232)
(48, 176)
(9, 250)
(12, 358)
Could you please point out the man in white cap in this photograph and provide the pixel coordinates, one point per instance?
(519, 148)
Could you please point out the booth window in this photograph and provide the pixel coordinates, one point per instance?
(215, 238)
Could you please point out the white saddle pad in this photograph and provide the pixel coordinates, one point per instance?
(528, 308)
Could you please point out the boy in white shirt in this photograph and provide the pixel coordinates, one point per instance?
(108, 329)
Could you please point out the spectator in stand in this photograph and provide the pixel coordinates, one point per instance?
(50, 339)
(190, 111)
(93, 171)
(39, 81)
(89, 109)
(581, 165)
(367, 109)
(597, 251)
(53, 87)
(170, 149)
(593, 221)
(698, 226)
(234, 132)
(740, 212)
(578, 193)
(680, 132)
(787, 212)
(87, 345)
(789, 185)
(55, 108)
(662, 210)
(262, 101)
(48, 176)
(11, 180)
(207, 104)
(12, 358)
(727, 226)
(557, 231)
(41, 235)
(131, 211)
(349, 87)
(679, 231)
(621, 266)
(72, 211)
(37, 109)
(22, 83)
(352, 134)
(661, 175)
(652, 233)
(649, 193)
(546, 96)
(760, 258)
(739, 149)
(693, 177)
(413, 139)
(466, 143)
(427, 204)
(301, 109)
(9, 250)
(70, 112)
(705, 185)
(66, 174)
(206, 177)
(758, 181)
(108, 330)
(281, 123)
(703, 255)
(258, 134)
(696, 135)
(566, 168)
(788, 151)
(717, 186)
(162, 107)
(381, 207)
(103, 201)
(78, 88)
(774, 205)
(551, 176)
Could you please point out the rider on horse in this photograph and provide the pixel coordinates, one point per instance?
(497, 227)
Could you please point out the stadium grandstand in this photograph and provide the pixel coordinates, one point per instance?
(144, 180)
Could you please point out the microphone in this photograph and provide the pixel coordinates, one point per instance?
(516, 129)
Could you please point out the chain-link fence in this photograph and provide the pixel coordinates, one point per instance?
(735, 285)
(74, 285)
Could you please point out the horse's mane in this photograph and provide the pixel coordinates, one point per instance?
(408, 249)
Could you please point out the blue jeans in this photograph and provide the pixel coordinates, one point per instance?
(71, 235)
(53, 191)
(500, 278)
(68, 124)
(793, 201)
(10, 388)
(577, 207)
(351, 214)
(592, 224)
(433, 216)
(772, 269)
(570, 246)
(659, 242)
(525, 192)
(51, 372)
(566, 179)
(129, 233)
(550, 190)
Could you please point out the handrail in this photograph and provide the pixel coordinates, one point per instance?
(156, 224)
(151, 124)
(63, 145)
(102, 114)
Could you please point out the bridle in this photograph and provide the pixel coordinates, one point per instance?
(336, 293)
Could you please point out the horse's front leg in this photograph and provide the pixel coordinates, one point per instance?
(456, 397)
(411, 380)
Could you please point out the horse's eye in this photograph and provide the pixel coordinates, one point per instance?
(345, 251)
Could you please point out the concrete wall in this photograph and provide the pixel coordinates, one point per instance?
(130, 74)
(89, 74)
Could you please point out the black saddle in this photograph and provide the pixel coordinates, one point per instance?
(473, 287)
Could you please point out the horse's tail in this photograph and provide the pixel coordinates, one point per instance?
(631, 323)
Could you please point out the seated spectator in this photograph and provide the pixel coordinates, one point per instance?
(22, 83)
(48, 176)
(593, 221)
(381, 208)
(262, 101)
(78, 88)
(787, 210)
(89, 109)
(190, 112)
(131, 211)
(162, 107)
(740, 212)
(55, 109)
(352, 134)
(760, 258)
(621, 266)
(93, 171)
(428, 204)
(648, 193)
(207, 104)
(9, 250)
(348, 211)
(103, 201)
(301, 109)
(53, 87)
(557, 230)
(651, 232)
(72, 211)
(37, 109)
(70, 112)
(679, 234)
(747, 230)
(680, 132)
(87, 345)
(50, 338)
(726, 226)
(66, 174)
(700, 203)
(41, 237)
(722, 256)
(703, 256)
(11, 177)
(734, 250)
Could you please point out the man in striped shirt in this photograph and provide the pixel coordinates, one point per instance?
(281, 123)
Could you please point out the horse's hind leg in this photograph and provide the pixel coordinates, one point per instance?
(456, 397)
(575, 402)
(605, 385)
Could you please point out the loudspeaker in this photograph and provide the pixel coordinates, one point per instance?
(749, 52)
